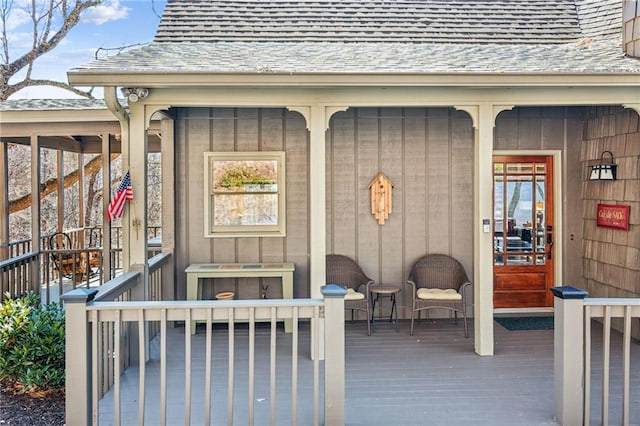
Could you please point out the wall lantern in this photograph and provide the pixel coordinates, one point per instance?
(604, 169)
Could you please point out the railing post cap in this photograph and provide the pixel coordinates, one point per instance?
(333, 290)
(79, 295)
(569, 292)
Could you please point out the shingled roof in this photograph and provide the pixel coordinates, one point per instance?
(520, 21)
(378, 36)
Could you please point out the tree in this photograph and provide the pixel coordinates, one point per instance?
(51, 21)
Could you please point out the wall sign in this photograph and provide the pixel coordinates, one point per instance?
(613, 216)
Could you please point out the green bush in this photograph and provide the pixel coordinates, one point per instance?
(31, 343)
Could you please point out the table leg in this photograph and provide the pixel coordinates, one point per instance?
(373, 312)
(192, 294)
(287, 293)
(394, 308)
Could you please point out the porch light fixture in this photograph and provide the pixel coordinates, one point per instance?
(604, 169)
(134, 94)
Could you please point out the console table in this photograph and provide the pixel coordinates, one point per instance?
(239, 270)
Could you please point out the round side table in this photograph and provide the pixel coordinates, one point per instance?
(384, 290)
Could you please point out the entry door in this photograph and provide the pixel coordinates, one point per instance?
(523, 231)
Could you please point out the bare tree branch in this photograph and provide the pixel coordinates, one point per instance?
(153, 7)
(13, 88)
(42, 42)
(51, 185)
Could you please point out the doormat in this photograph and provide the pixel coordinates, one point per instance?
(526, 323)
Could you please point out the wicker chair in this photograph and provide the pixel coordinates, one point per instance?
(438, 281)
(344, 271)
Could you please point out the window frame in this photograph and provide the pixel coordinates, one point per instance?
(211, 230)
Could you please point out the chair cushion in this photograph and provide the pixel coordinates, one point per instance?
(353, 295)
(438, 294)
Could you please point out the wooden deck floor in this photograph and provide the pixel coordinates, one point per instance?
(431, 378)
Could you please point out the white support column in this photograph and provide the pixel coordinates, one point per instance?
(106, 225)
(81, 201)
(78, 357)
(334, 364)
(168, 167)
(568, 355)
(134, 224)
(135, 219)
(317, 198)
(60, 181)
(316, 119)
(4, 200)
(483, 246)
(35, 193)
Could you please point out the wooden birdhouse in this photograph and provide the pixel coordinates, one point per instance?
(381, 191)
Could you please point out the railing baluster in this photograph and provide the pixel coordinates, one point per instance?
(207, 368)
(141, 366)
(187, 369)
(116, 368)
(272, 366)
(626, 364)
(316, 366)
(606, 350)
(587, 364)
(231, 349)
(163, 367)
(108, 357)
(294, 368)
(252, 364)
(95, 364)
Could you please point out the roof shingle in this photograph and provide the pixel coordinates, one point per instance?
(380, 36)
(459, 21)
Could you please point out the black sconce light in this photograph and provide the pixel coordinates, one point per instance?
(604, 169)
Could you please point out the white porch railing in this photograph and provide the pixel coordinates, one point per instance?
(573, 354)
(85, 318)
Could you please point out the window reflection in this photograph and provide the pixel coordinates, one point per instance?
(519, 213)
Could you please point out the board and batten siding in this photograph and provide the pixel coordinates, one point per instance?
(200, 130)
(427, 153)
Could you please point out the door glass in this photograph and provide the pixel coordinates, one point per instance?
(519, 168)
(498, 216)
(540, 224)
(519, 213)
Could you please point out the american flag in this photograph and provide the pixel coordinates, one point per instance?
(123, 193)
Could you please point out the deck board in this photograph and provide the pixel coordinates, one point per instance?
(433, 377)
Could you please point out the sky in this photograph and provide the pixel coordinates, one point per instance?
(114, 24)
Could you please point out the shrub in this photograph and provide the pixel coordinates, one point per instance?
(31, 343)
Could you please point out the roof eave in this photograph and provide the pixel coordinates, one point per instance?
(273, 79)
(55, 116)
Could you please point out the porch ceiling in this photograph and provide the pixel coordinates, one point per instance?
(72, 125)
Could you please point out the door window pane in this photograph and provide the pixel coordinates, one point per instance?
(519, 260)
(519, 168)
(519, 212)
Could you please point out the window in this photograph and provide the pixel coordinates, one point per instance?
(244, 194)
